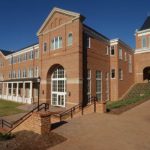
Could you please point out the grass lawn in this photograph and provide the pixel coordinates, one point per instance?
(9, 108)
(128, 102)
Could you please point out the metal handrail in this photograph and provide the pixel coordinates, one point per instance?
(80, 105)
(11, 125)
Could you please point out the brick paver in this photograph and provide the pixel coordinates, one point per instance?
(128, 131)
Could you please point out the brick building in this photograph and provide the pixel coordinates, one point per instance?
(73, 62)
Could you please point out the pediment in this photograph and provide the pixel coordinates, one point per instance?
(56, 18)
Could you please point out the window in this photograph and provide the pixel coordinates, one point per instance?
(13, 74)
(107, 50)
(45, 47)
(30, 72)
(19, 73)
(70, 39)
(112, 50)
(25, 56)
(143, 41)
(120, 74)
(89, 85)
(107, 86)
(36, 53)
(125, 56)
(24, 73)
(130, 63)
(19, 59)
(9, 75)
(31, 55)
(56, 43)
(99, 85)
(88, 40)
(120, 53)
(113, 73)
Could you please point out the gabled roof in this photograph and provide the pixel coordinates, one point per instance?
(55, 9)
(6, 52)
(146, 24)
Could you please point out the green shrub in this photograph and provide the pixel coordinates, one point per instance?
(6, 136)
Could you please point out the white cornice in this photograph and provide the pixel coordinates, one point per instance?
(117, 40)
(142, 50)
(23, 51)
(51, 14)
(143, 31)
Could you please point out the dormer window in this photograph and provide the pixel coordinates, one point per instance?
(144, 41)
(112, 50)
(70, 39)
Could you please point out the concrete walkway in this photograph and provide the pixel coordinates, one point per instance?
(128, 131)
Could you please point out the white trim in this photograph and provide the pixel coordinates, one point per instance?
(143, 31)
(142, 34)
(117, 41)
(77, 15)
(101, 80)
(34, 47)
(57, 92)
(142, 50)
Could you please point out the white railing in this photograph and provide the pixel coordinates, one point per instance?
(16, 99)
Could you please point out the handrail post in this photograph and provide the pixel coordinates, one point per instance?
(95, 104)
(71, 113)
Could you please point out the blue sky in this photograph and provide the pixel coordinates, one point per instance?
(21, 19)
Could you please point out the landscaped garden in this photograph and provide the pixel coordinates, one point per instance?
(9, 108)
(118, 107)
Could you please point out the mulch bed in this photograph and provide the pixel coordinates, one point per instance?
(120, 110)
(26, 140)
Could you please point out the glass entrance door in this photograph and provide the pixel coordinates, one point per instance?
(58, 88)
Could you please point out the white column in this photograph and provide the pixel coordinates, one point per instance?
(12, 90)
(17, 91)
(2, 89)
(23, 91)
(30, 91)
(7, 90)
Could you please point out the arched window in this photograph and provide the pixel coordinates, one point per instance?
(58, 87)
(70, 39)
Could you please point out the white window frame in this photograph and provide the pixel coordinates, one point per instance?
(89, 81)
(120, 53)
(107, 87)
(58, 45)
(114, 73)
(107, 50)
(144, 41)
(111, 50)
(88, 42)
(58, 93)
(70, 39)
(130, 64)
(99, 79)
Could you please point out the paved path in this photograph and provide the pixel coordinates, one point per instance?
(128, 131)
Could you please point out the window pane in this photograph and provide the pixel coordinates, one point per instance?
(60, 42)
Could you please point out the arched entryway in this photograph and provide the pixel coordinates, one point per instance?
(57, 85)
(146, 73)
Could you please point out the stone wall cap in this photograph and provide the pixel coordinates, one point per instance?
(46, 114)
